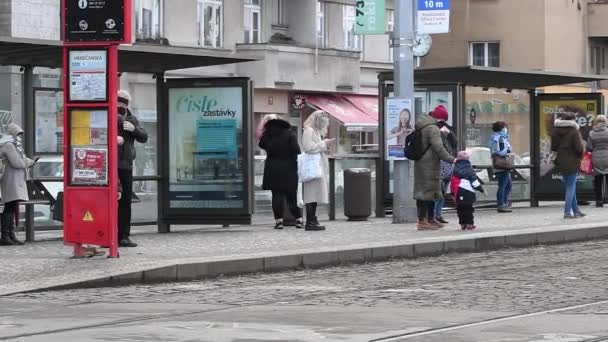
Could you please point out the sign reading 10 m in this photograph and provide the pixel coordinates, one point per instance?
(433, 4)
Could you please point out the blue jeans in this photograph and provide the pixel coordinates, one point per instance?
(571, 205)
(439, 208)
(504, 188)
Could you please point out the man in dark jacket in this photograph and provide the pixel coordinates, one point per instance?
(129, 131)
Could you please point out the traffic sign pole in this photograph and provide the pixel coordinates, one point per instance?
(404, 206)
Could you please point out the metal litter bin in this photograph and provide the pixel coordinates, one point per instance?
(357, 194)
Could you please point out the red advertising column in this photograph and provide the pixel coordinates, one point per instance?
(92, 31)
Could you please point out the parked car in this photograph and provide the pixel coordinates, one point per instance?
(52, 167)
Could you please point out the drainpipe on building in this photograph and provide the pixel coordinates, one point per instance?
(404, 206)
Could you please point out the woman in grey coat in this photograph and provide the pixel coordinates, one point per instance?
(316, 190)
(597, 143)
(13, 185)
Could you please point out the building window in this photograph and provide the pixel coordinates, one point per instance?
(147, 19)
(210, 23)
(280, 12)
(253, 21)
(485, 54)
(390, 27)
(351, 40)
(320, 24)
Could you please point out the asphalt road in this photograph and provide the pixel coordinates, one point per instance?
(555, 293)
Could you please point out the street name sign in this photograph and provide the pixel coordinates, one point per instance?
(433, 16)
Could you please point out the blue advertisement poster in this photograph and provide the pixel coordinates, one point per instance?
(205, 148)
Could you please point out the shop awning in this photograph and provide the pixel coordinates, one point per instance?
(342, 110)
(366, 103)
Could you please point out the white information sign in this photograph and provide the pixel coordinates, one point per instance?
(433, 16)
(88, 75)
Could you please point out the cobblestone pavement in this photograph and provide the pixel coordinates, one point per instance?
(47, 263)
(413, 295)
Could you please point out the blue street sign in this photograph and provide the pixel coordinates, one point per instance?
(433, 16)
(433, 5)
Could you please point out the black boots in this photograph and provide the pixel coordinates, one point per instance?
(311, 219)
(8, 237)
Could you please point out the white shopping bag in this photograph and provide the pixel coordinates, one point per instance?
(309, 167)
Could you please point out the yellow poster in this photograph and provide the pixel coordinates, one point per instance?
(81, 118)
(81, 136)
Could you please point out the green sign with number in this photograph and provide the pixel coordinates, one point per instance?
(371, 17)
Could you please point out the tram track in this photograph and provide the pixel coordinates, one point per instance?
(434, 331)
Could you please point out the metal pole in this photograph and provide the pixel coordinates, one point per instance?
(404, 207)
(28, 120)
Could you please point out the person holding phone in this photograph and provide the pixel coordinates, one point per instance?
(317, 190)
(129, 131)
(13, 186)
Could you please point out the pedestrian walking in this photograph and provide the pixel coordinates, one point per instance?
(567, 145)
(129, 131)
(427, 175)
(314, 142)
(597, 144)
(14, 181)
(463, 184)
(500, 147)
(448, 138)
(281, 169)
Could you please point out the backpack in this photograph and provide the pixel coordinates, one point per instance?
(413, 145)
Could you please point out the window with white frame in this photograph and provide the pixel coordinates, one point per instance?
(351, 40)
(390, 27)
(147, 19)
(210, 23)
(484, 54)
(320, 24)
(280, 13)
(253, 21)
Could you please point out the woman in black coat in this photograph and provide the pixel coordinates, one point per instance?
(281, 169)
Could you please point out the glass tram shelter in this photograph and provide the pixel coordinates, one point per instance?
(478, 96)
(189, 174)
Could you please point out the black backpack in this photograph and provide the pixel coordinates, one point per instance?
(413, 144)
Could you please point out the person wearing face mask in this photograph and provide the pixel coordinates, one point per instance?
(14, 181)
(129, 131)
(500, 146)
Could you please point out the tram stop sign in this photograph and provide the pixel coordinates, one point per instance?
(94, 21)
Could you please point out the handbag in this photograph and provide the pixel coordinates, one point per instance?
(309, 167)
(587, 164)
(503, 163)
(446, 171)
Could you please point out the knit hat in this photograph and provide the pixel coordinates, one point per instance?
(463, 155)
(440, 113)
(124, 97)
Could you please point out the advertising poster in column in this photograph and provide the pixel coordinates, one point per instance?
(585, 111)
(89, 166)
(205, 148)
(88, 75)
(399, 124)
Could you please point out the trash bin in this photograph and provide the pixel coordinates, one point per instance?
(357, 194)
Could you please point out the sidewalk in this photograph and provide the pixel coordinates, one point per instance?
(193, 252)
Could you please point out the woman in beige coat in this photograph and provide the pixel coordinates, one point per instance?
(317, 190)
(14, 181)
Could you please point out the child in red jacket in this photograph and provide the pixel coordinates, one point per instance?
(463, 184)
